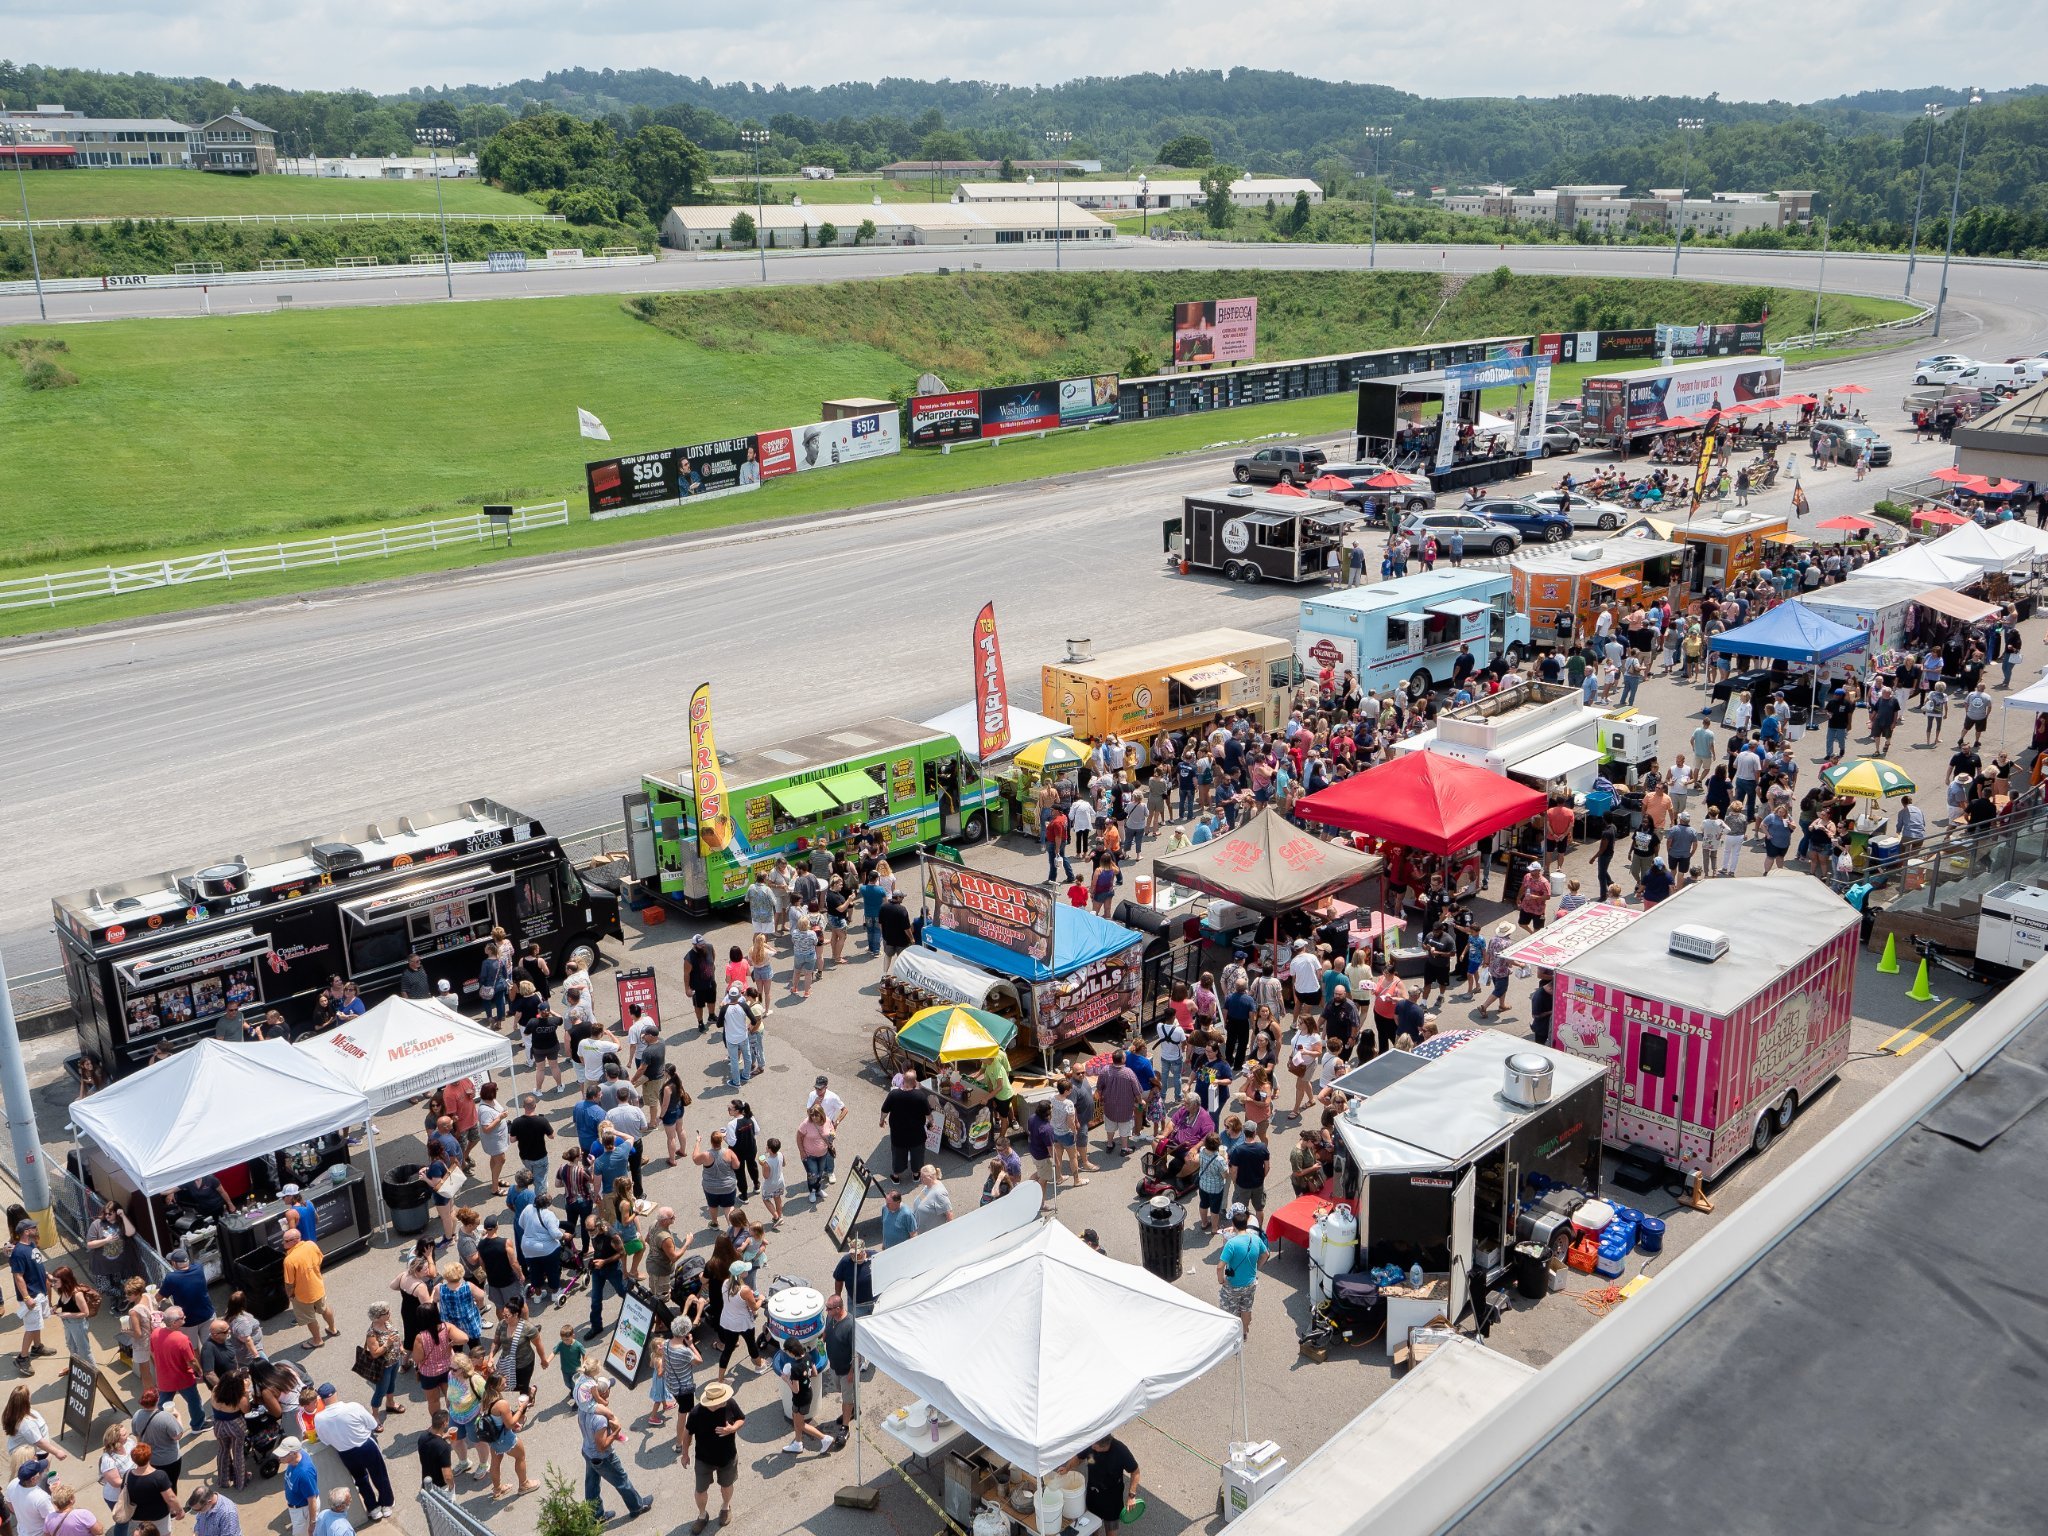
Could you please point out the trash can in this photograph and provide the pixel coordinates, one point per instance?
(1160, 1223)
(259, 1274)
(1532, 1270)
(406, 1198)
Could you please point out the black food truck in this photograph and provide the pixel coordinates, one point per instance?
(1258, 535)
(156, 962)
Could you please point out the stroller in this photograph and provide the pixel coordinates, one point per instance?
(265, 1434)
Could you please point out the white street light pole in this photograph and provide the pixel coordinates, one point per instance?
(35, 263)
(434, 138)
(1686, 125)
(1056, 142)
(1931, 112)
(1955, 203)
(1372, 190)
(755, 138)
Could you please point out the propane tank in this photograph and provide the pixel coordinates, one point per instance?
(1332, 1249)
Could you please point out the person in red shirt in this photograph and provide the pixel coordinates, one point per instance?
(1557, 832)
(177, 1363)
(458, 1099)
(1077, 891)
(1056, 847)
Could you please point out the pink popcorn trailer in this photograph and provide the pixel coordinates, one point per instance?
(1717, 1013)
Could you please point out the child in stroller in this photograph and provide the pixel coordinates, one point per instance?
(276, 1384)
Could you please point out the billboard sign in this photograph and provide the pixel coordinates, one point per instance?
(944, 418)
(1014, 917)
(1215, 331)
(823, 444)
(1698, 391)
(1083, 401)
(1710, 340)
(641, 480)
(1020, 408)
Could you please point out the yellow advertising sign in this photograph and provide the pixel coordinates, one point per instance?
(707, 779)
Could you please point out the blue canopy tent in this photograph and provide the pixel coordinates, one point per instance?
(1792, 632)
(1079, 938)
(1095, 972)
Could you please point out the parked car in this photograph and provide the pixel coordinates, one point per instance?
(1482, 536)
(1846, 441)
(1940, 357)
(2006, 378)
(1536, 524)
(1584, 511)
(1558, 438)
(1945, 370)
(1280, 466)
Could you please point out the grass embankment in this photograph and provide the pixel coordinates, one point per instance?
(183, 436)
(142, 194)
(840, 189)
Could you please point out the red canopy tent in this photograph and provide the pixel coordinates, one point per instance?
(1423, 801)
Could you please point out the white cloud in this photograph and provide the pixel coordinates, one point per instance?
(1745, 49)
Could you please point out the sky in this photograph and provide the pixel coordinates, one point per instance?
(1745, 49)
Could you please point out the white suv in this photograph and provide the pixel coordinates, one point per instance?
(1584, 511)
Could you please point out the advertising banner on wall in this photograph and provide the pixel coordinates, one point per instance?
(1619, 346)
(1020, 408)
(1088, 400)
(707, 779)
(1698, 390)
(672, 474)
(1550, 345)
(1447, 423)
(1001, 912)
(1710, 340)
(823, 444)
(946, 418)
(1215, 331)
(1085, 1001)
(991, 693)
(1532, 439)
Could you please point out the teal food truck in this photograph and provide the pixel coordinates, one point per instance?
(911, 783)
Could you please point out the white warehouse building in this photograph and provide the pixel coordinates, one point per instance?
(707, 227)
(1158, 193)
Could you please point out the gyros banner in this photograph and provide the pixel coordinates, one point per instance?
(707, 779)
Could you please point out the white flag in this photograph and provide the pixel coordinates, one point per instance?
(591, 426)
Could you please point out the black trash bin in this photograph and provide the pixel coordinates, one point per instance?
(1532, 1270)
(259, 1275)
(405, 1198)
(1161, 1221)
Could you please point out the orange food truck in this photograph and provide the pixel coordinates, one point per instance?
(1560, 593)
(1188, 682)
(1730, 547)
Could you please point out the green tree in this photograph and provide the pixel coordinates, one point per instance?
(865, 233)
(1008, 171)
(742, 228)
(439, 114)
(828, 233)
(945, 145)
(667, 169)
(1189, 149)
(1216, 182)
(1301, 211)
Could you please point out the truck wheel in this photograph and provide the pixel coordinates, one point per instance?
(1248, 574)
(1420, 684)
(1502, 546)
(1244, 474)
(1514, 654)
(1230, 570)
(1608, 522)
(1766, 1129)
(587, 953)
(1787, 1112)
(975, 827)
(1556, 533)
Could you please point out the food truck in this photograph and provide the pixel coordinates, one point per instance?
(1728, 548)
(1560, 593)
(1408, 631)
(1543, 734)
(156, 961)
(1630, 406)
(910, 783)
(1450, 1149)
(1716, 1015)
(1255, 536)
(1189, 682)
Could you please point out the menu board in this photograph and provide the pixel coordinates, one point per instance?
(902, 780)
(626, 1355)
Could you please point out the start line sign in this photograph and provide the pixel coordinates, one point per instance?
(126, 280)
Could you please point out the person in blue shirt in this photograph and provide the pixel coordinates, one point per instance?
(185, 1287)
(301, 1484)
(587, 1116)
(898, 1225)
(873, 895)
(1203, 832)
(351, 1004)
(301, 1208)
(1237, 1267)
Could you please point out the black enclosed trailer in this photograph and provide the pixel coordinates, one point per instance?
(156, 962)
(1253, 535)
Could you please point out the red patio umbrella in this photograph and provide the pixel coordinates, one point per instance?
(1852, 389)
(1329, 483)
(1425, 802)
(1284, 489)
(1984, 486)
(1940, 517)
(1743, 408)
(1387, 480)
(1847, 523)
(1681, 421)
(1799, 400)
(1950, 475)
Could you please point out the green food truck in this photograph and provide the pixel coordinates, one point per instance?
(909, 782)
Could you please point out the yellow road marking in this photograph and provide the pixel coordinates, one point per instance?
(1936, 1029)
(1900, 1034)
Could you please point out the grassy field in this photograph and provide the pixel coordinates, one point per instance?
(841, 189)
(190, 435)
(110, 194)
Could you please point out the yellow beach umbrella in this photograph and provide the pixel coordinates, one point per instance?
(1874, 778)
(1052, 752)
(963, 1034)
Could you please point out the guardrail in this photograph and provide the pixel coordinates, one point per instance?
(292, 218)
(1814, 339)
(226, 564)
(309, 275)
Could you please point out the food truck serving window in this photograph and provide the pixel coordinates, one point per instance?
(176, 986)
(804, 800)
(426, 918)
(854, 788)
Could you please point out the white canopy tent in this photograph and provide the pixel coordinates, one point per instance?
(2034, 696)
(963, 723)
(402, 1048)
(1975, 546)
(1919, 562)
(2020, 536)
(219, 1103)
(1039, 1346)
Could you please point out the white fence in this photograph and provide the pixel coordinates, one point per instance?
(227, 564)
(294, 218)
(309, 275)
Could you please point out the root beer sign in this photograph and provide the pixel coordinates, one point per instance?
(1001, 912)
